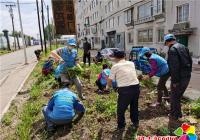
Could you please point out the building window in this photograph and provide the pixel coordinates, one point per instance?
(118, 20)
(97, 40)
(158, 6)
(110, 6)
(118, 39)
(130, 37)
(113, 21)
(117, 3)
(129, 15)
(145, 35)
(145, 10)
(183, 13)
(106, 8)
(161, 35)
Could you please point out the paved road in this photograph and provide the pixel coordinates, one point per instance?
(13, 75)
(9, 62)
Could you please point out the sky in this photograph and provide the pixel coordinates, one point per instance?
(28, 14)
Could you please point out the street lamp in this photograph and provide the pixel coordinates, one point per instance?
(23, 40)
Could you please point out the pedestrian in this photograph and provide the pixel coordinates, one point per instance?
(98, 58)
(124, 73)
(86, 49)
(159, 68)
(68, 59)
(180, 67)
(62, 109)
(37, 53)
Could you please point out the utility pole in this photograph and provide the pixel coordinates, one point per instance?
(12, 17)
(22, 33)
(38, 14)
(50, 35)
(45, 45)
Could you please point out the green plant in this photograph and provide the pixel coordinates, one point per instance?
(163, 131)
(148, 84)
(8, 117)
(195, 108)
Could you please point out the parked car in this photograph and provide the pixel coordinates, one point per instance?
(107, 53)
(140, 62)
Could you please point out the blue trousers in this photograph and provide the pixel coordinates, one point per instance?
(52, 122)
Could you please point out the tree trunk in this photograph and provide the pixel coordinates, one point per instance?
(18, 41)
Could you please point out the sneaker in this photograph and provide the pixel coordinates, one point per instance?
(51, 129)
(106, 91)
(82, 98)
(100, 92)
(135, 125)
(155, 104)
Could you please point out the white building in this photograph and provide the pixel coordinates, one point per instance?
(128, 23)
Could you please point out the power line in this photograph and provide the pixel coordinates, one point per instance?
(16, 3)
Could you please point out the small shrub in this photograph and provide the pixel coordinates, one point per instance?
(100, 105)
(195, 108)
(163, 131)
(7, 119)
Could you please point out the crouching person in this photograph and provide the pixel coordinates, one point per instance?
(101, 82)
(63, 109)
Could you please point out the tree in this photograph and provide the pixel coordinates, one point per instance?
(49, 34)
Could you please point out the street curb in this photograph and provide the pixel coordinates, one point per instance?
(22, 84)
(19, 89)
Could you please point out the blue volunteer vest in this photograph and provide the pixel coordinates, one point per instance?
(63, 105)
(69, 57)
(104, 74)
(161, 65)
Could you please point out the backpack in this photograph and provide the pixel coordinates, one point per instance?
(47, 67)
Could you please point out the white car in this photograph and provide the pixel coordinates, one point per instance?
(107, 53)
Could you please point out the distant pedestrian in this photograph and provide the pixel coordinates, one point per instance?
(37, 53)
(124, 73)
(180, 67)
(159, 68)
(62, 109)
(98, 58)
(86, 49)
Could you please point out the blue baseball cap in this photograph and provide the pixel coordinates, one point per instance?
(169, 37)
(143, 51)
(71, 42)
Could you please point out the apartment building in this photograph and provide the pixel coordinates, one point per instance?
(128, 23)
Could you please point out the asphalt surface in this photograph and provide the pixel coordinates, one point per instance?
(13, 75)
(9, 62)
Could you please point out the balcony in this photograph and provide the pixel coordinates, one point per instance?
(130, 23)
(144, 20)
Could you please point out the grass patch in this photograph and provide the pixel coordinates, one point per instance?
(163, 131)
(2, 52)
(33, 107)
(8, 117)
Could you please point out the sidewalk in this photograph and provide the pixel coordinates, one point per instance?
(193, 90)
(13, 83)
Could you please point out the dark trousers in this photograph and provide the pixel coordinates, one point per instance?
(161, 87)
(128, 96)
(175, 97)
(100, 86)
(86, 56)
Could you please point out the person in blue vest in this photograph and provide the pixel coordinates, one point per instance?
(63, 109)
(101, 82)
(159, 68)
(67, 56)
